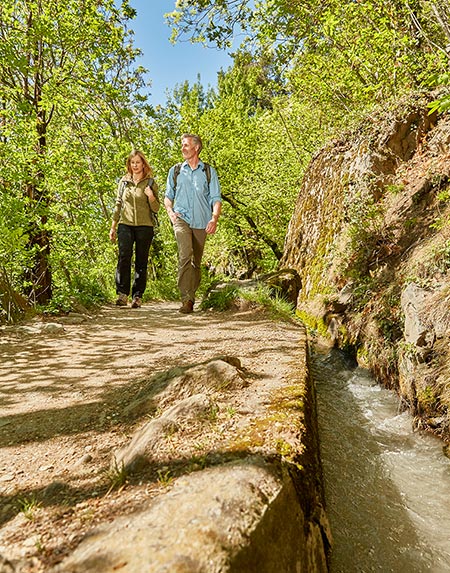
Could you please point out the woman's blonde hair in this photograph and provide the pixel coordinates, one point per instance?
(148, 171)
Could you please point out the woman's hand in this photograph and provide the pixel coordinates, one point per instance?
(112, 234)
(149, 192)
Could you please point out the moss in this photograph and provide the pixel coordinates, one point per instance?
(427, 400)
(313, 323)
(286, 412)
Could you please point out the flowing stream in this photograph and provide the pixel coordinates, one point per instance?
(387, 487)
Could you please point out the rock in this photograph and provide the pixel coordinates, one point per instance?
(40, 328)
(286, 283)
(87, 458)
(241, 517)
(6, 566)
(224, 373)
(139, 451)
(26, 329)
(52, 328)
(72, 318)
(446, 450)
(417, 331)
(343, 300)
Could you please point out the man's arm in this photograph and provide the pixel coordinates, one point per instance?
(212, 225)
(170, 195)
(168, 204)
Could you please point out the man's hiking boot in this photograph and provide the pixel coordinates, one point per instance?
(122, 299)
(136, 303)
(187, 307)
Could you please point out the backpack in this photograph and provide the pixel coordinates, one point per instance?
(177, 169)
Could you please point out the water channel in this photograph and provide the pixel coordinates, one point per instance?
(387, 487)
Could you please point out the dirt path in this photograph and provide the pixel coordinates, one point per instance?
(62, 397)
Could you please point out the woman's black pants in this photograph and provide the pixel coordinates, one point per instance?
(141, 239)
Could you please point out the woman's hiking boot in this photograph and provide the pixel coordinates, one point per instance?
(136, 302)
(122, 299)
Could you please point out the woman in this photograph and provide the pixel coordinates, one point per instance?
(133, 223)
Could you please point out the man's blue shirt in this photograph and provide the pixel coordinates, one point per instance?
(193, 198)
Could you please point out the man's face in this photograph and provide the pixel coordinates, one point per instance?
(188, 149)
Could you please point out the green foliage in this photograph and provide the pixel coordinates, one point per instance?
(342, 56)
(312, 323)
(252, 144)
(165, 477)
(441, 257)
(442, 103)
(427, 399)
(220, 300)
(395, 189)
(70, 111)
(261, 296)
(271, 301)
(117, 476)
(368, 240)
(69, 118)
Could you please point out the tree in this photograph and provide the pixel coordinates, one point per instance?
(255, 142)
(357, 51)
(61, 65)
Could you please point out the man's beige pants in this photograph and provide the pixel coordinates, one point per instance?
(191, 243)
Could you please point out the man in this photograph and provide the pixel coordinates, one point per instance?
(193, 204)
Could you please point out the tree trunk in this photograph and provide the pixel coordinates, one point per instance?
(39, 275)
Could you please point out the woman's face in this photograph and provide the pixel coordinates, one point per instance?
(137, 165)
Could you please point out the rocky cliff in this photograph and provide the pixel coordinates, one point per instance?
(370, 239)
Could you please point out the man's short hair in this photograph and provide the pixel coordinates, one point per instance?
(195, 138)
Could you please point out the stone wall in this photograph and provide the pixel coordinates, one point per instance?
(370, 226)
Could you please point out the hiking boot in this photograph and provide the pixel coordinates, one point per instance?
(187, 307)
(122, 299)
(137, 302)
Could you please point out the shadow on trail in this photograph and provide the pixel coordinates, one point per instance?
(127, 357)
(63, 368)
(61, 494)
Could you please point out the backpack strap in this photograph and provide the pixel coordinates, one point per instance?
(153, 213)
(177, 169)
(123, 185)
(207, 170)
(176, 172)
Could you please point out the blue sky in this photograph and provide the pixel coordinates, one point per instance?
(170, 64)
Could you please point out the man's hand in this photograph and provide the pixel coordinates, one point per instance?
(173, 215)
(211, 227)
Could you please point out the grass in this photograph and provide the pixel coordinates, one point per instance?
(117, 476)
(220, 300)
(262, 296)
(28, 506)
(164, 476)
(271, 300)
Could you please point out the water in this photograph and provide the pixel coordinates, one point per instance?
(387, 488)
